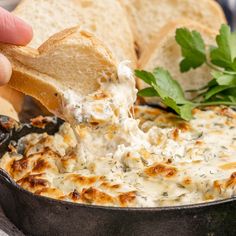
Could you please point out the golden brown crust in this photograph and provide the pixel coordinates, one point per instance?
(7, 109)
(160, 169)
(50, 97)
(218, 10)
(13, 96)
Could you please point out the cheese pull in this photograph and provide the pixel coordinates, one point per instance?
(71, 59)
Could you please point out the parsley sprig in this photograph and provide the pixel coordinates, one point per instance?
(221, 90)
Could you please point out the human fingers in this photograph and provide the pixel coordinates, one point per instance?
(13, 30)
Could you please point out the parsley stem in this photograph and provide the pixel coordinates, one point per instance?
(201, 104)
(219, 69)
(196, 90)
(198, 96)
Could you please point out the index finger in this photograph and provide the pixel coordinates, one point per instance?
(13, 30)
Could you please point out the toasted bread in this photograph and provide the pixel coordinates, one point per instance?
(104, 18)
(148, 17)
(71, 59)
(13, 96)
(165, 52)
(7, 109)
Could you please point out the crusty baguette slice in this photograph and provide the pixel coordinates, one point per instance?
(14, 97)
(148, 16)
(71, 59)
(7, 109)
(106, 19)
(165, 52)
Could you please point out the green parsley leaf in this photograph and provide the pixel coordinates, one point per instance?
(220, 79)
(232, 99)
(146, 76)
(215, 90)
(224, 55)
(169, 91)
(166, 86)
(221, 90)
(148, 92)
(228, 80)
(192, 48)
(184, 111)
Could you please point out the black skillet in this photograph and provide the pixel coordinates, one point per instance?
(37, 215)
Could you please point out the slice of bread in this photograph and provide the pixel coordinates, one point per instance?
(13, 96)
(7, 109)
(71, 59)
(148, 16)
(104, 18)
(165, 52)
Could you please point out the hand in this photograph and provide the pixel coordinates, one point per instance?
(13, 31)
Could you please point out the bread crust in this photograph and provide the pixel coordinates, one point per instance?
(163, 41)
(13, 96)
(7, 109)
(167, 30)
(106, 19)
(148, 17)
(48, 94)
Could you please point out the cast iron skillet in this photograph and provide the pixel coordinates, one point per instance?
(37, 215)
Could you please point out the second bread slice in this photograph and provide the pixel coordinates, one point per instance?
(165, 52)
(148, 16)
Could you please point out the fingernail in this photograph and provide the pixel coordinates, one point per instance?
(5, 70)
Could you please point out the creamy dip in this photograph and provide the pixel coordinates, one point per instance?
(141, 157)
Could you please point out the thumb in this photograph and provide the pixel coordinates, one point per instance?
(5, 70)
(13, 30)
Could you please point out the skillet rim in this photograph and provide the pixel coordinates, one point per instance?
(5, 176)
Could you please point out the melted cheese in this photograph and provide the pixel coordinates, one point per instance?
(154, 159)
(179, 166)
